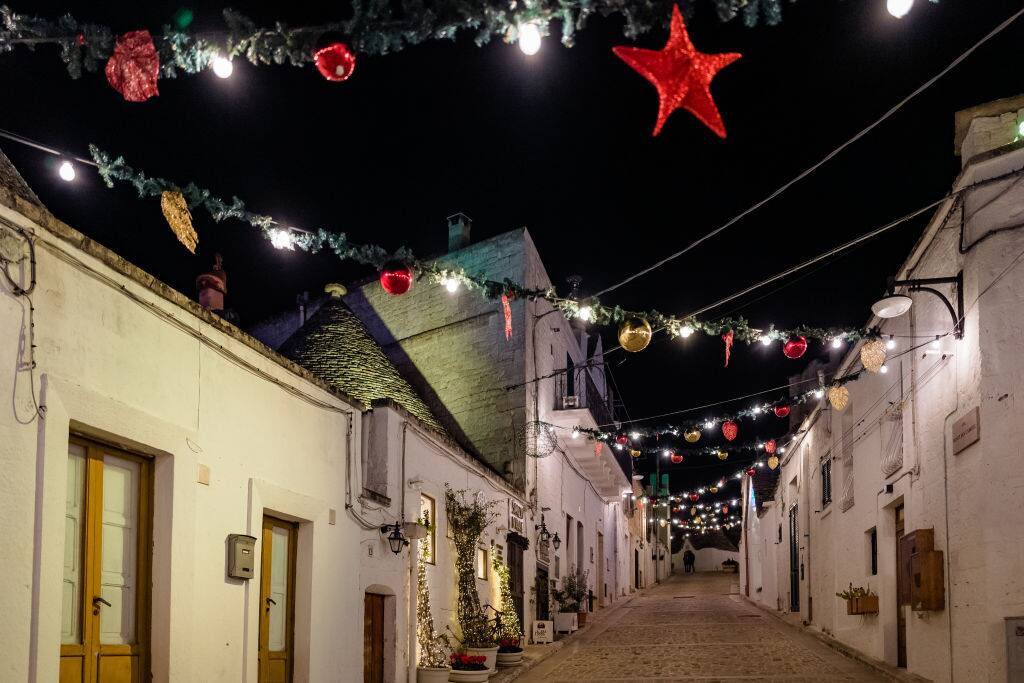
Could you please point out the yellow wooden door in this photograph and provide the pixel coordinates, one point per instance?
(105, 596)
(277, 601)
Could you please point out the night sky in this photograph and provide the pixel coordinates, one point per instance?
(559, 142)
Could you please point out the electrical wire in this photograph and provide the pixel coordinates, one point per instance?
(828, 157)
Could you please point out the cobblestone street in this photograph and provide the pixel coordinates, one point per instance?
(696, 628)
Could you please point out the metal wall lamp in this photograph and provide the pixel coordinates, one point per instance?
(396, 539)
(893, 305)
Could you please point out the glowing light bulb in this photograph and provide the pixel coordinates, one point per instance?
(685, 331)
(281, 239)
(818, 393)
(451, 284)
(222, 67)
(899, 8)
(766, 340)
(1020, 130)
(935, 344)
(575, 433)
(837, 342)
(66, 171)
(709, 425)
(891, 343)
(884, 369)
(586, 314)
(529, 38)
(634, 435)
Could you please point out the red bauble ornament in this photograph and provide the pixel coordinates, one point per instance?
(769, 446)
(622, 439)
(681, 75)
(134, 66)
(725, 509)
(781, 411)
(396, 278)
(795, 347)
(751, 472)
(694, 497)
(335, 62)
(730, 430)
(676, 458)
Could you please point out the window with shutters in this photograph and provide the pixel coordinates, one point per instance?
(826, 482)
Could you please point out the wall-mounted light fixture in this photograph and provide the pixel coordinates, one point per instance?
(893, 305)
(396, 539)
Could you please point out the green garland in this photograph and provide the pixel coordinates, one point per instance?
(376, 27)
(115, 169)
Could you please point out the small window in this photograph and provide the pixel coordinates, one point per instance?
(558, 567)
(428, 517)
(481, 563)
(780, 533)
(826, 482)
(873, 550)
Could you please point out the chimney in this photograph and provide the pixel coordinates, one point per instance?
(213, 285)
(458, 231)
(988, 127)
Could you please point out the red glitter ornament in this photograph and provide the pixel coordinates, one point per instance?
(681, 75)
(795, 347)
(781, 411)
(694, 497)
(134, 66)
(727, 338)
(751, 472)
(769, 446)
(725, 509)
(622, 439)
(730, 430)
(676, 458)
(396, 278)
(335, 62)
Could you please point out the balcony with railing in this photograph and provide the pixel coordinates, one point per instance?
(582, 394)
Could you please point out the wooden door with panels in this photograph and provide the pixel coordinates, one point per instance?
(107, 555)
(277, 601)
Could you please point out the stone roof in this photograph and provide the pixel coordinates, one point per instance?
(335, 346)
(15, 184)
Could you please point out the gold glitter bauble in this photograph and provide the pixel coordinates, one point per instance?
(713, 489)
(693, 511)
(872, 355)
(722, 455)
(635, 334)
(175, 211)
(692, 436)
(773, 462)
(839, 397)
(635, 453)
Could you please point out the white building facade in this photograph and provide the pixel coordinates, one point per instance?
(912, 490)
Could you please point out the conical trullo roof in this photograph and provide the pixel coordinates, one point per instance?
(12, 181)
(335, 346)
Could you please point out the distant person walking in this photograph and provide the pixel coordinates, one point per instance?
(688, 559)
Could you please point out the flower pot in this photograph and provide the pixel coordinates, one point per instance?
(565, 622)
(510, 658)
(432, 674)
(469, 676)
(581, 619)
(730, 568)
(491, 653)
(865, 605)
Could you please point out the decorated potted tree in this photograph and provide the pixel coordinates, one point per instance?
(432, 664)
(507, 629)
(467, 520)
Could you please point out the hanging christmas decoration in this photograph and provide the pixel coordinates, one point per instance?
(693, 512)
(773, 462)
(694, 497)
(751, 471)
(335, 62)
(795, 347)
(692, 436)
(676, 458)
(177, 215)
(781, 411)
(622, 439)
(396, 278)
(725, 509)
(722, 455)
(769, 446)
(730, 430)
(635, 452)
(597, 449)
(681, 75)
(872, 355)
(635, 334)
(728, 338)
(839, 396)
(506, 309)
(712, 489)
(134, 66)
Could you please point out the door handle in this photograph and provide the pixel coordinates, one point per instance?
(98, 599)
(271, 601)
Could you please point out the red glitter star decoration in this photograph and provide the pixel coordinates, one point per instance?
(681, 75)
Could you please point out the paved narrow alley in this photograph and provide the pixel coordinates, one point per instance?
(696, 628)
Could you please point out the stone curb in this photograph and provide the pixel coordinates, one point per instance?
(890, 672)
(595, 619)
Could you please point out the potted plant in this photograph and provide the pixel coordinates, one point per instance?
(571, 597)
(859, 600)
(507, 629)
(730, 566)
(467, 519)
(432, 664)
(467, 668)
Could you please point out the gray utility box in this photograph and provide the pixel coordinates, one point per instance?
(241, 556)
